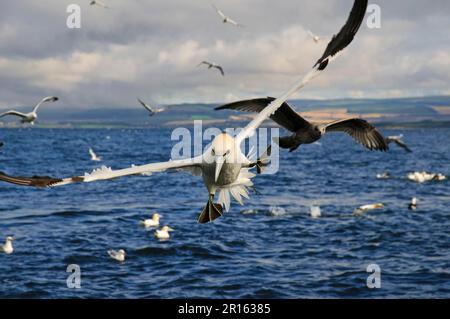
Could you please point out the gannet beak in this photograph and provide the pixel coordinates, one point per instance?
(219, 163)
(170, 229)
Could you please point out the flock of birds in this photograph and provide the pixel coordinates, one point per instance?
(225, 169)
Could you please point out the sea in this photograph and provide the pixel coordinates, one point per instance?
(270, 247)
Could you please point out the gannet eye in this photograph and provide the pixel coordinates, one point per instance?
(227, 153)
(213, 152)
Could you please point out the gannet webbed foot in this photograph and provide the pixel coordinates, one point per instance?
(263, 161)
(210, 212)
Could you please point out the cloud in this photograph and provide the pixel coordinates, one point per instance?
(151, 49)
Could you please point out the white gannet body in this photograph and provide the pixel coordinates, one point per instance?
(422, 177)
(365, 208)
(32, 116)
(163, 233)
(315, 212)
(117, 255)
(7, 248)
(94, 156)
(153, 222)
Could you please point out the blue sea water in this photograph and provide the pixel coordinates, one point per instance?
(268, 248)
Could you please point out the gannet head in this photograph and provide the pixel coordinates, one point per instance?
(121, 252)
(9, 239)
(156, 217)
(222, 150)
(50, 99)
(167, 229)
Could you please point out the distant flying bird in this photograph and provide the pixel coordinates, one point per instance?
(212, 65)
(227, 19)
(99, 3)
(7, 248)
(224, 168)
(152, 110)
(365, 208)
(94, 156)
(306, 132)
(315, 37)
(398, 140)
(163, 233)
(117, 255)
(153, 222)
(32, 116)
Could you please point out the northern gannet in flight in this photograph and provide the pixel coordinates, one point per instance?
(223, 166)
(226, 19)
(212, 65)
(152, 110)
(98, 3)
(305, 132)
(94, 156)
(163, 233)
(398, 140)
(7, 248)
(117, 255)
(32, 116)
(153, 222)
(365, 208)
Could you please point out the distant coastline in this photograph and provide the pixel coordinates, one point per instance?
(424, 112)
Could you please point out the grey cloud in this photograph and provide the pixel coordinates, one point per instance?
(150, 49)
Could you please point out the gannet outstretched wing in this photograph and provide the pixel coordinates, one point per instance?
(105, 173)
(45, 99)
(15, 113)
(337, 44)
(148, 107)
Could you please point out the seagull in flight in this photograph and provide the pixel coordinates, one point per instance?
(152, 110)
(225, 169)
(398, 140)
(313, 36)
(98, 3)
(227, 19)
(305, 132)
(94, 156)
(32, 116)
(212, 65)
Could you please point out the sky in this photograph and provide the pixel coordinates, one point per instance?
(151, 48)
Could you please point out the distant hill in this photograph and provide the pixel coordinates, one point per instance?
(402, 110)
